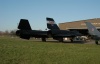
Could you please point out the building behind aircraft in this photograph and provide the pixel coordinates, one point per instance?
(80, 25)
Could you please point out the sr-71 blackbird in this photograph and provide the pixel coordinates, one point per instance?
(25, 31)
(54, 31)
(58, 34)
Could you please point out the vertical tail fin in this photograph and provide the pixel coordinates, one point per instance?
(92, 29)
(51, 23)
(24, 25)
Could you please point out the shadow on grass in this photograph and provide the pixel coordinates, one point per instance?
(55, 41)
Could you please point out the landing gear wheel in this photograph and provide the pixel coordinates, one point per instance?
(71, 40)
(43, 39)
(96, 41)
(60, 39)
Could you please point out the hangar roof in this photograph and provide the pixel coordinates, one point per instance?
(80, 24)
(82, 20)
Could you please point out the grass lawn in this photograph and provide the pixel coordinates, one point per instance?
(18, 51)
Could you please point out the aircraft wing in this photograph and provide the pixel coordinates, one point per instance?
(65, 35)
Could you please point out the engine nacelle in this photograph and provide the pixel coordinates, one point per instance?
(22, 34)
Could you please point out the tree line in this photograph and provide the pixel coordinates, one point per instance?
(8, 33)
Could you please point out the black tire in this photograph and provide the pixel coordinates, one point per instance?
(96, 42)
(43, 39)
(60, 39)
(71, 40)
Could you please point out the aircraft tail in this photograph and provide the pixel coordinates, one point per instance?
(24, 25)
(51, 23)
(92, 29)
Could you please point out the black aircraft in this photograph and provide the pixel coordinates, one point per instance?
(58, 34)
(25, 31)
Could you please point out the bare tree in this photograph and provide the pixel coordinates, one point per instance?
(13, 32)
(6, 32)
(1, 33)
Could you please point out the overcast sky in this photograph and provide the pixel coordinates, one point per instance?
(36, 11)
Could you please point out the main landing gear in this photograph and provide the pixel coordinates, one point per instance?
(61, 40)
(43, 39)
(71, 40)
(96, 41)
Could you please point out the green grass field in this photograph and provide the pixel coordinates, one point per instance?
(18, 51)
